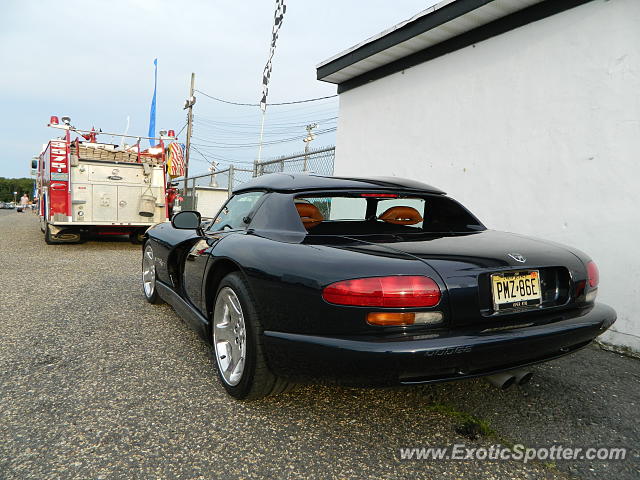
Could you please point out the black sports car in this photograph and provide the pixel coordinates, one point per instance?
(375, 281)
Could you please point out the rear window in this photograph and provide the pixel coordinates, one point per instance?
(371, 213)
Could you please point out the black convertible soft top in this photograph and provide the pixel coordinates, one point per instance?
(285, 182)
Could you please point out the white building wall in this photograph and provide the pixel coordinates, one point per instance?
(210, 200)
(547, 115)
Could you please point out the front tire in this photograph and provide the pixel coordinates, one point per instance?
(237, 343)
(149, 275)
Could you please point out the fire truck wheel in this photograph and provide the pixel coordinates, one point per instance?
(137, 237)
(149, 276)
(65, 236)
(48, 238)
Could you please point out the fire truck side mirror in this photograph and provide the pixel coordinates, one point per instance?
(34, 164)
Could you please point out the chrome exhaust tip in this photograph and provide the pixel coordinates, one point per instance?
(523, 376)
(502, 380)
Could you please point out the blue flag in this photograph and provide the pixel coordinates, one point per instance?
(152, 114)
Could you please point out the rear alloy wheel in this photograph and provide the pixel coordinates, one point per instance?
(149, 275)
(237, 344)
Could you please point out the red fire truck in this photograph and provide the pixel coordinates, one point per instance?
(88, 187)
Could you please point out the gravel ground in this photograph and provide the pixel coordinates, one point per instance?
(96, 383)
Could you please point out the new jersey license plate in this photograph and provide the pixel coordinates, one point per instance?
(513, 290)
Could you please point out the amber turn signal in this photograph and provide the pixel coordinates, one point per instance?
(403, 318)
(386, 318)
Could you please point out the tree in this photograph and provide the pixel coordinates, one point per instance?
(10, 185)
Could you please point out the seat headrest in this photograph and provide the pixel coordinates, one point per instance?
(309, 214)
(401, 215)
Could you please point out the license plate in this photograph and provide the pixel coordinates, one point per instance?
(513, 290)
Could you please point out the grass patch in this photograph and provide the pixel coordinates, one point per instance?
(467, 425)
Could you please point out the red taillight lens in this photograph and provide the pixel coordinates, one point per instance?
(593, 274)
(397, 291)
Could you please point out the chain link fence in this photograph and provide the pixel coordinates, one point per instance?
(318, 161)
(203, 192)
(206, 193)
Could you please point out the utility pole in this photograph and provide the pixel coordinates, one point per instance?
(309, 138)
(188, 105)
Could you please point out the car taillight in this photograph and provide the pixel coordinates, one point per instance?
(593, 274)
(396, 291)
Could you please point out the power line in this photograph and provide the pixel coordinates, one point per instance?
(183, 127)
(251, 145)
(251, 129)
(208, 121)
(211, 158)
(215, 132)
(268, 104)
(202, 154)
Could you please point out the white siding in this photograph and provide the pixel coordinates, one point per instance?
(549, 112)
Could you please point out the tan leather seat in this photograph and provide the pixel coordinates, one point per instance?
(401, 215)
(309, 214)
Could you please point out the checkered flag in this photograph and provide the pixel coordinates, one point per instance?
(281, 8)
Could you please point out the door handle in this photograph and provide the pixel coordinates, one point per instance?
(58, 186)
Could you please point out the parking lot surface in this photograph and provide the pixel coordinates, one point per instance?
(97, 383)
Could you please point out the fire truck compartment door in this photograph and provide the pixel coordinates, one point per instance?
(81, 200)
(105, 203)
(116, 174)
(129, 204)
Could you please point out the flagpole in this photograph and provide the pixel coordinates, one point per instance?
(152, 113)
(255, 168)
(278, 16)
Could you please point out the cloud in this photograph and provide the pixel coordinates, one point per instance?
(93, 60)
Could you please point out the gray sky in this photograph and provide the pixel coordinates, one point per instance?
(93, 61)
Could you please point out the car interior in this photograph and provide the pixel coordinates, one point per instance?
(444, 216)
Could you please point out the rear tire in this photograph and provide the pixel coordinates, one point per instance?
(149, 276)
(237, 343)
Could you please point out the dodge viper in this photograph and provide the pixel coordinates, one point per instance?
(367, 281)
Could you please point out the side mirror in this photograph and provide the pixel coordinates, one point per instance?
(34, 164)
(186, 220)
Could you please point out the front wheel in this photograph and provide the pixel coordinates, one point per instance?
(237, 345)
(149, 275)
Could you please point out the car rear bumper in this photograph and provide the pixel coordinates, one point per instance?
(429, 358)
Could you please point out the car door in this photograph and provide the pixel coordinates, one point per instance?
(231, 219)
